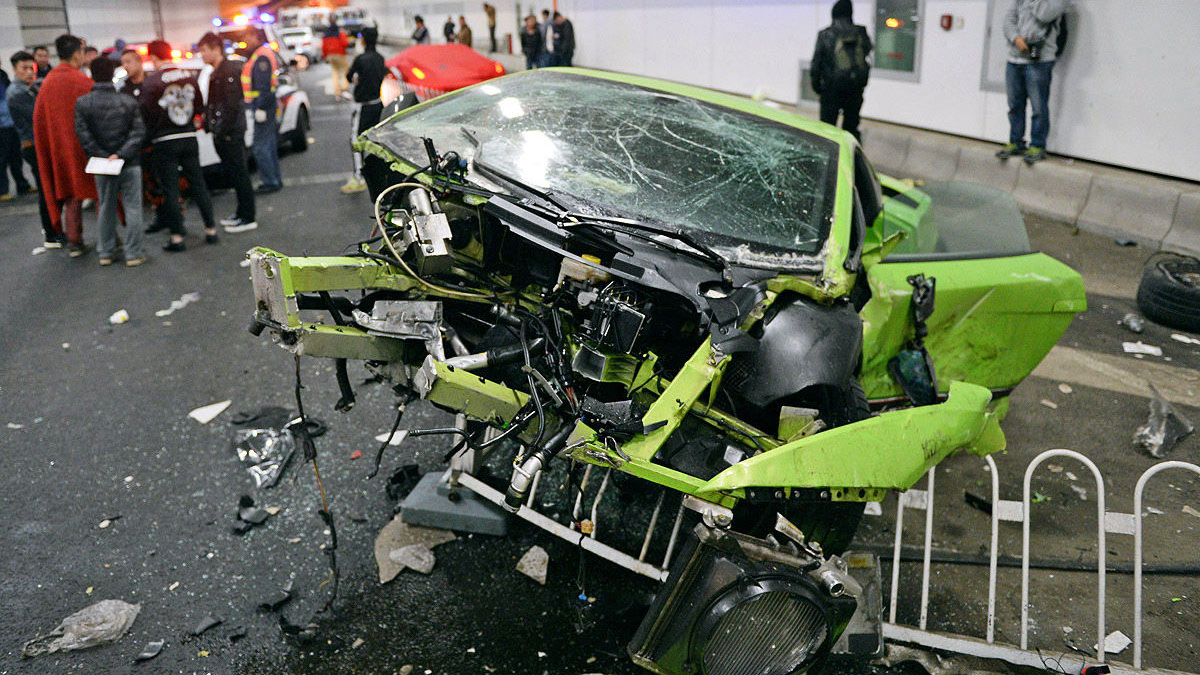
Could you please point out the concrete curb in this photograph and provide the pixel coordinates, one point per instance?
(1126, 210)
(1184, 234)
(1052, 190)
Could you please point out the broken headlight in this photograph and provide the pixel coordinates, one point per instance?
(736, 605)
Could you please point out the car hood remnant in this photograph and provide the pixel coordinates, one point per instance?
(602, 274)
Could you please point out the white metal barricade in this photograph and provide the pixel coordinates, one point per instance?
(1109, 523)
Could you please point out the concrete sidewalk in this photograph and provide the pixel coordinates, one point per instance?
(1156, 212)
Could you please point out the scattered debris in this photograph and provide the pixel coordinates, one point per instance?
(406, 669)
(356, 454)
(267, 452)
(873, 509)
(173, 586)
(533, 565)
(277, 600)
(1184, 339)
(1081, 491)
(118, 317)
(1065, 388)
(297, 634)
(206, 414)
(1115, 642)
(1190, 511)
(1140, 347)
(88, 590)
(1124, 242)
(402, 481)
(104, 524)
(206, 623)
(1038, 498)
(358, 642)
(1049, 404)
(273, 510)
(1070, 476)
(151, 650)
(38, 250)
(101, 623)
(1165, 428)
(392, 439)
(294, 540)
(66, 346)
(14, 425)
(203, 653)
(1151, 509)
(249, 515)
(1133, 322)
(183, 301)
(1054, 468)
(416, 556)
(398, 534)
(237, 633)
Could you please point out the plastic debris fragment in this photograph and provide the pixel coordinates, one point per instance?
(101, 623)
(206, 623)
(1165, 428)
(276, 600)
(207, 413)
(358, 642)
(1140, 347)
(398, 534)
(414, 556)
(266, 452)
(151, 650)
(249, 515)
(14, 425)
(1191, 511)
(534, 563)
(1133, 322)
(1116, 642)
(118, 317)
(1185, 339)
(1065, 388)
(1049, 404)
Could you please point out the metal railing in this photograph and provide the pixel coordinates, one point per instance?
(1109, 522)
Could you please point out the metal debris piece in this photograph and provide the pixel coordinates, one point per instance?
(1165, 428)
(151, 650)
(415, 556)
(396, 535)
(206, 623)
(1140, 347)
(248, 515)
(206, 413)
(266, 452)
(1185, 339)
(534, 563)
(1133, 322)
(101, 623)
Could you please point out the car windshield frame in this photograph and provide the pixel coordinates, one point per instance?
(804, 164)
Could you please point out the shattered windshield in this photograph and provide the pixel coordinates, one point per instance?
(746, 185)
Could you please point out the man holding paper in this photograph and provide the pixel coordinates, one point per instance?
(111, 131)
(61, 160)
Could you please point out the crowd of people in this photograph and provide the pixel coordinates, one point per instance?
(548, 43)
(85, 140)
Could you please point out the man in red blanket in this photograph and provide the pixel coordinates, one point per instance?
(61, 160)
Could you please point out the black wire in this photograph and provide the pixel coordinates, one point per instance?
(533, 390)
(387, 441)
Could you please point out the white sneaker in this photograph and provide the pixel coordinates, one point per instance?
(235, 225)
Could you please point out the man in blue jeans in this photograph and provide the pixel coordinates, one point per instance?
(1036, 32)
(258, 87)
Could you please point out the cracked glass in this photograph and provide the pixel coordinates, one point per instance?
(755, 189)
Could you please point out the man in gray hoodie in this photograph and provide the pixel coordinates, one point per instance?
(1035, 31)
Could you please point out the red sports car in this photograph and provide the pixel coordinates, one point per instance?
(431, 70)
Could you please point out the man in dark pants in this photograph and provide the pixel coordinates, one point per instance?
(10, 146)
(532, 43)
(170, 100)
(564, 40)
(258, 90)
(490, 10)
(1036, 33)
(840, 68)
(22, 95)
(225, 119)
(366, 74)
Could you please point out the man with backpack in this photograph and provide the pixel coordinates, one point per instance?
(1036, 31)
(840, 68)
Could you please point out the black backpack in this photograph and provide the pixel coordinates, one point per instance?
(849, 67)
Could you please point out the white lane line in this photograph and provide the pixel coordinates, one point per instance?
(1120, 374)
(317, 179)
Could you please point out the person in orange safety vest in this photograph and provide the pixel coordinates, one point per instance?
(258, 87)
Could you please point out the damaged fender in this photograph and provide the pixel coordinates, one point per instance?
(890, 451)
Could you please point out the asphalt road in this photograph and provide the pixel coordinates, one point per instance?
(97, 429)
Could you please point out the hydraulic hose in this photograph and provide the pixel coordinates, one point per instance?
(523, 474)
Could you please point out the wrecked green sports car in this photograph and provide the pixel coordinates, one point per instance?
(718, 307)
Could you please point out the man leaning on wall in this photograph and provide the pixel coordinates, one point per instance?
(1036, 32)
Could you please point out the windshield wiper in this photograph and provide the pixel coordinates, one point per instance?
(500, 175)
(630, 227)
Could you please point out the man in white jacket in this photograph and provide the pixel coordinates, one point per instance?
(1036, 32)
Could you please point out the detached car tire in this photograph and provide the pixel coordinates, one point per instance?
(1169, 293)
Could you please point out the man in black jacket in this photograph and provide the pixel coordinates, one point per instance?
(22, 95)
(170, 101)
(531, 42)
(840, 68)
(367, 74)
(225, 119)
(564, 40)
(109, 125)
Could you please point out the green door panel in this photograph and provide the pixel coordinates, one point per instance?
(994, 319)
